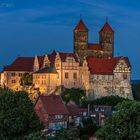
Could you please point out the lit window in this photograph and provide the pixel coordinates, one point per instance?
(58, 116)
(13, 74)
(66, 75)
(13, 81)
(20, 74)
(75, 75)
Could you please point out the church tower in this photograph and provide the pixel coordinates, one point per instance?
(106, 38)
(80, 37)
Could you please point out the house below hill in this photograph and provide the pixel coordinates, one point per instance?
(52, 112)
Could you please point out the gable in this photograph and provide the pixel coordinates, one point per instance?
(46, 61)
(122, 66)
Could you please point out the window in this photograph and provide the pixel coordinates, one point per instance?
(124, 76)
(58, 116)
(102, 109)
(103, 77)
(66, 75)
(13, 74)
(94, 77)
(20, 74)
(13, 81)
(75, 75)
(57, 65)
(96, 109)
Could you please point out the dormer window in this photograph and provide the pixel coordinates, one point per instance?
(96, 109)
(102, 109)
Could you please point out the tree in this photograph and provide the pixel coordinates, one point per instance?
(35, 136)
(108, 100)
(17, 116)
(74, 94)
(88, 128)
(136, 91)
(124, 124)
(67, 134)
(27, 79)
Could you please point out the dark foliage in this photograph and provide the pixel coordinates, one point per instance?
(73, 94)
(67, 134)
(124, 124)
(89, 128)
(17, 116)
(27, 79)
(136, 91)
(108, 100)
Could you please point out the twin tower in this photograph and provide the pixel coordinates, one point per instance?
(103, 49)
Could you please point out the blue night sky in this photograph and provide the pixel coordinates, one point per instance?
(36, 27)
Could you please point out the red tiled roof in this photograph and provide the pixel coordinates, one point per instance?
(63, 56)
(21, 64)
(104, 65)
(106, 27)
(92, 46)
(81, 26)
(53, 104)
(73, 109)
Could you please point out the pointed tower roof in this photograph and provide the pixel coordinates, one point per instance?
(81, 26)
(106, 27)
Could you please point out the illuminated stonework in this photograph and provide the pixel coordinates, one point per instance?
(92, 67)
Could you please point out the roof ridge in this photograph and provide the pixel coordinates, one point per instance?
(106, 27)
(81, 26)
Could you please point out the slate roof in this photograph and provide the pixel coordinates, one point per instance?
(46, 70)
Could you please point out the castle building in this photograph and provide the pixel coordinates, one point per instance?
(103, 49)
(91, 67)
(107, 76)
(57, 69)
(11, 75)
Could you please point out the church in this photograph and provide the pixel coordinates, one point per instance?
(91, 67)
(103, 49)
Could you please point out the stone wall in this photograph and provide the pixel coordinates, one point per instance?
(100, 88)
